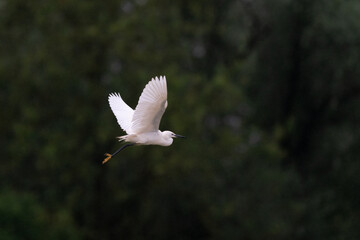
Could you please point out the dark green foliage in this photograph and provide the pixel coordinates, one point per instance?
(267, 93)
(22, 217)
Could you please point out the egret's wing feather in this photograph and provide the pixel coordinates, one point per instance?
(151, 106)
(122, 112)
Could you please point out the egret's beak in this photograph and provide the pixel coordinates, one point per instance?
(179, 136)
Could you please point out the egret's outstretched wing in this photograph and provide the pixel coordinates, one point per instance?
(122, 112)
(151, 106)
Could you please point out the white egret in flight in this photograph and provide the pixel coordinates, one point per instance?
(142, 124)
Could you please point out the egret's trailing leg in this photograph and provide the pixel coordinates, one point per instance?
(111, 155)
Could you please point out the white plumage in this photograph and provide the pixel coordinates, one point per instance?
(148, 112)
(142, 124)
(122, 111)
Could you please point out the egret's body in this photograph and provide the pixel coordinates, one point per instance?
(142, 124)
(150, 138)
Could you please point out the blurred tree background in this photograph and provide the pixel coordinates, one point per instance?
(266, 91)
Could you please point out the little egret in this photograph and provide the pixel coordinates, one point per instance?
(142, 124)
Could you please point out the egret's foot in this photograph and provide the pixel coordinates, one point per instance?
(107, 158)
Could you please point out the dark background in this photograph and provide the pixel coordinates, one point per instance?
(266, 91)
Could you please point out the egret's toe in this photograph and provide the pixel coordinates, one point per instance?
(107, 158)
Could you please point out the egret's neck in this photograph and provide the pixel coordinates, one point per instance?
(167, 139)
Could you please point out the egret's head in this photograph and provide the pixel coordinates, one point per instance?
(170, 134)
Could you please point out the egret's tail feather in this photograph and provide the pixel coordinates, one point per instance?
(133, 138)
(122, 138)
